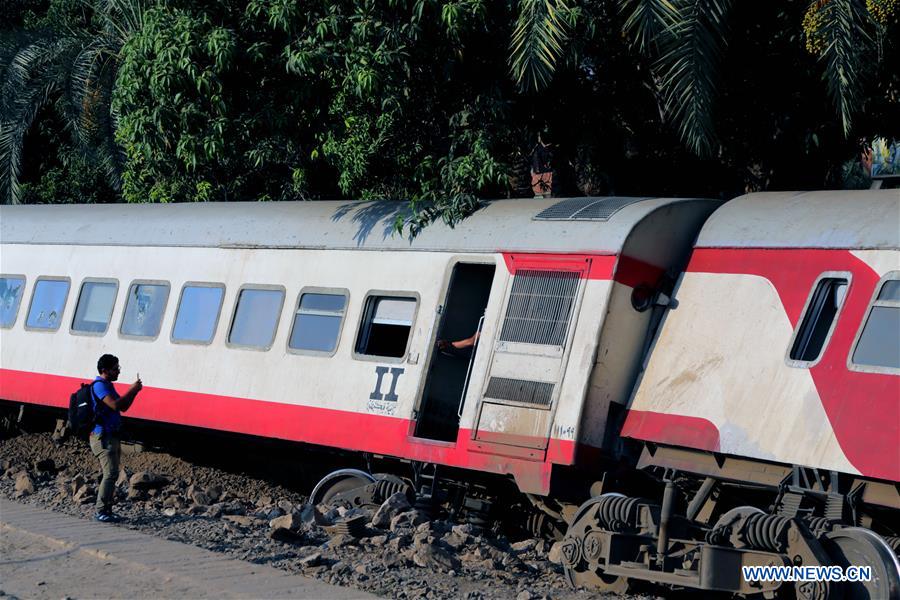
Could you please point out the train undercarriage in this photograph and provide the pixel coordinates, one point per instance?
(698, 529)
(689, 520)
(680, 529)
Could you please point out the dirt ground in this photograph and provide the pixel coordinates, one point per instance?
(44, 570)
(261, 519)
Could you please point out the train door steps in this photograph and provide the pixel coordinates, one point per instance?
(50, 555)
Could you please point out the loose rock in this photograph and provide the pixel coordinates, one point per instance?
(241, 520)
(524, 546)
(198, 496)
(409, 519)
(311, 560)
(283, 534)
(24, 484)
(288, 521)
(146, 480)
(555, 555)
(390, 508)
(429, 556)
(84, 495)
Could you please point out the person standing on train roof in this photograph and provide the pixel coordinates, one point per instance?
(105, 437)
(542, 168)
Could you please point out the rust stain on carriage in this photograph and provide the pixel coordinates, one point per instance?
(513, 425)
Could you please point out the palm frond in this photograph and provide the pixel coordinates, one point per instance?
(121, 18)
(843, 32)
(648, 20)
(83, 86)
(28, 82)
(108, 154)
(537, 42)
(688, 67)
(77, 70)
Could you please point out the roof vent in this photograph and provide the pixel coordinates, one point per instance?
(585, 209)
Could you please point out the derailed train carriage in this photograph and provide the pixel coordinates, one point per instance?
(679, 410)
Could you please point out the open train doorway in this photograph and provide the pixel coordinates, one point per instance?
(450, 368)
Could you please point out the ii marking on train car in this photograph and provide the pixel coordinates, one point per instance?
(391, 396)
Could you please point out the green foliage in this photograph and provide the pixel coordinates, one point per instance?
(174, 125)
(196, 100)
(351, 99)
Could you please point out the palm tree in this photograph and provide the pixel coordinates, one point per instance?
(76, 71)
(686, 39)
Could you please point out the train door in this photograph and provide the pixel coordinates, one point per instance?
(529, 355)
(448, 374)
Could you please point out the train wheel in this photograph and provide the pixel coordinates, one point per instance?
(579, 572)
(862, 547)
(600, 582)
(338, 482)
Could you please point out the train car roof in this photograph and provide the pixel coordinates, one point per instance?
(596, 225)
(827, 219)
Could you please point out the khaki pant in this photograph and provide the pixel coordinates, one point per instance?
(108, 451)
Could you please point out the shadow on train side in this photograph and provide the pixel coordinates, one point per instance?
(369, 214)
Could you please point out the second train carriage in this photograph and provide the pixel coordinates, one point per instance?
(768, 411)
(808, 372)
(764, 426)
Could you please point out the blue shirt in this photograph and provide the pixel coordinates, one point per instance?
(108, 420)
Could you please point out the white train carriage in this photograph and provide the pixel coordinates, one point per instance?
(312, 322)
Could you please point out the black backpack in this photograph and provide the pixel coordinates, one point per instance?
(82, 410)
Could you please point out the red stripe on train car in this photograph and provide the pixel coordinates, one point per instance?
(678, 430)
(604, 267)
(346, 430)
(601, 265)
(863, 408)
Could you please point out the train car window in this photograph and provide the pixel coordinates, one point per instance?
(540, 307)
(198, 313)
(47, 303)
(144, 309)
(317, 322)
(256, 317)
(386, 326)
(95, 305)
(878, 341)
(12, 288)
(818, 320)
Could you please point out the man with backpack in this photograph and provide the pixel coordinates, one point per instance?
(104, 438)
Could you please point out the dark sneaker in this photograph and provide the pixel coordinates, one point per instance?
(105, 517)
